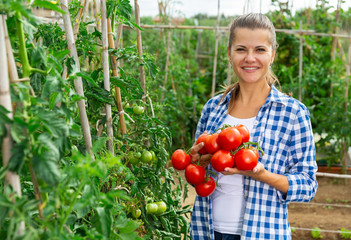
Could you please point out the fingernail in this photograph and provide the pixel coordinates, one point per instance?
(226, 169)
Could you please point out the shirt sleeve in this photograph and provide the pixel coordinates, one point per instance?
(302, 166)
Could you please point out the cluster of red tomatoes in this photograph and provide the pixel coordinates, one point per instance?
(230, 148)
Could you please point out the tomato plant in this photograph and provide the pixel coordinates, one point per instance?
(206, 188)
(195, 174)
(180, 159)
(211, 143)
(229, 139)
(244, 132)
(201, 139)
(246, 159)
(221, 160)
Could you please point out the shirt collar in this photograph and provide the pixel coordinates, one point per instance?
(274, 96)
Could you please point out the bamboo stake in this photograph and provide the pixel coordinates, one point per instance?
(80, 12)
(216, 53)
(139, 46)
(334, 43)
(85, 10)
(5, 100)
(167, 60)
(96, 4)
(78, 84)
(105, 67)
(346, 157)
(300, 63)
(10, 58)
(116, 73)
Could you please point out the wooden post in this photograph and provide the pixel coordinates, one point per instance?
(300, 62)
(116, 73)
(167, 59)
(346, 157)
(10, 58)
(80, 12)
(105, 67)
(139, 46)
(5, 100)
(334, 43)
(215, 56)
(78, 84)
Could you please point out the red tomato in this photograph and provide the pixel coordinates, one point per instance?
(244, 131)
(195, 174)
(246, 159)
(205, 188)
(229, 138)
(200, 139)
(180, 159)
(211, 143)
(222, 159)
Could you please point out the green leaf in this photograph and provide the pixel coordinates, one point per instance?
(129, 236)
(54, 123)
(48, 5)
(3, 171)
(99, 144)
(87, 77)
(3, 115)
(101, 95)
(17, 158)
(126, 225)
(52, 100)
(105, 221)
(46, 169)
(51, 85)
(45, 161)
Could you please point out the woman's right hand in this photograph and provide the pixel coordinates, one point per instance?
(196, 157)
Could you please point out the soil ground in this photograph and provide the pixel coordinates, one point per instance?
(330, 210)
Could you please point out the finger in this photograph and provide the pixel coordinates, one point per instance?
(194, 150)
(231, 171)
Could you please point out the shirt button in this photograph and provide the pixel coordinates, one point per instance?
(256, 122)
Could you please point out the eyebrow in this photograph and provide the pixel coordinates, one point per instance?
(260, 46)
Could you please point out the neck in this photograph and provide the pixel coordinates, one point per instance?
(249, 100)
(253, 93)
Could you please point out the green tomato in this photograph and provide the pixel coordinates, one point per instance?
(151, 208)
(153, 155)
(133, 158)
(146, 156)
(136, 213)
(161, 207)
(138, 110)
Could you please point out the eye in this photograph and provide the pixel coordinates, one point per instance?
(261, 49)
(240, 49)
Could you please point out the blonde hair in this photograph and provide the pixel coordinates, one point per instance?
(251, 21)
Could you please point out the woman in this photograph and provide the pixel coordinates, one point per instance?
(253, 204)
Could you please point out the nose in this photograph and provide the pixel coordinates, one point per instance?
(250, 57)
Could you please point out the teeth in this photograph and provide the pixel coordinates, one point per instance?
(250, 68)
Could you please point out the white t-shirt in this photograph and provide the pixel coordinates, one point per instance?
(228, 202)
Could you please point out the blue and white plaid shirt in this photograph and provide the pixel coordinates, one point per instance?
(283, 130)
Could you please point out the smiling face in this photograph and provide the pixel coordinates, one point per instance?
(251, 54)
